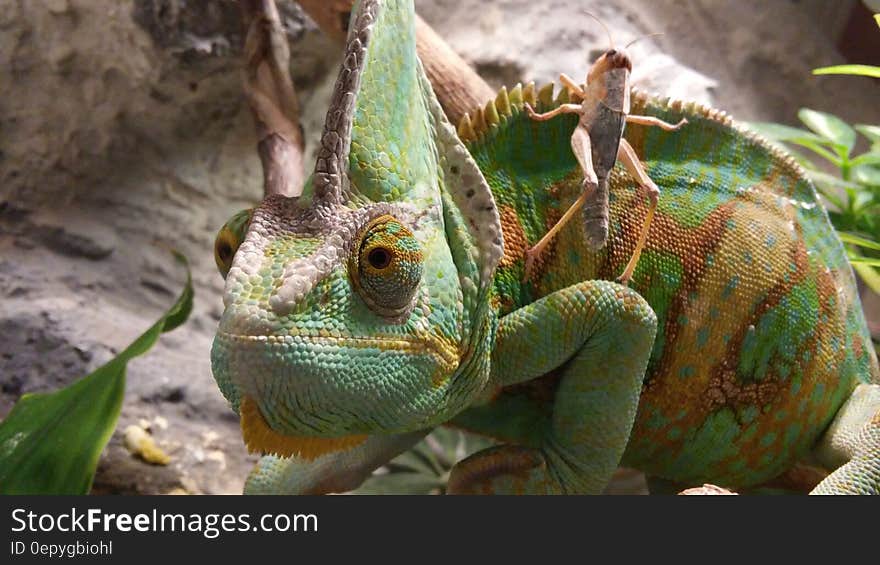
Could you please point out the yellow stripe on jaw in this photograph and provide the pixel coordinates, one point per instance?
(260, 438)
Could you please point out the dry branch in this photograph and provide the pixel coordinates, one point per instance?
(457, 86)
(270, 93)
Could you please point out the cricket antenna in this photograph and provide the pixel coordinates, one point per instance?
(601, 23)
(641, 38)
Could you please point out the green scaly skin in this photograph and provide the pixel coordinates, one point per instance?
(739, 349)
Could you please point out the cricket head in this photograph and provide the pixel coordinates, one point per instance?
(611, 62)
(361, 307)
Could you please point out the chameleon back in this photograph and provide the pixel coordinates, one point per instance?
(761, 335)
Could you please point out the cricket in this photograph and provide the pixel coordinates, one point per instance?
(597, 142)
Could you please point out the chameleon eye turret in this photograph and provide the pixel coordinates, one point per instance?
(229, 239)
(387, 266)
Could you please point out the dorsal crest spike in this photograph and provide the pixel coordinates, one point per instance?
(331, 165)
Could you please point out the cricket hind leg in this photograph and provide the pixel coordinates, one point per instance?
(599, 335)
(627, 155)
(851, 446)
(630, 160)
(582, 148)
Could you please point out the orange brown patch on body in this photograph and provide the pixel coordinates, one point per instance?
(515, 242)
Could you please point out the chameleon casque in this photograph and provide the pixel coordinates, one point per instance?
(389, 298)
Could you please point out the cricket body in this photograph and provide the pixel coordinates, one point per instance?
(389, 299)
(597, 142)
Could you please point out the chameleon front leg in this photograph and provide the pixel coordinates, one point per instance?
(340, 471)
(851, 446)
(601, 334)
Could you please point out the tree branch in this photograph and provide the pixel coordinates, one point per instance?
(272, 98)
(459, 89)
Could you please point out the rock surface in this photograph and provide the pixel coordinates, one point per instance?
(123, 126)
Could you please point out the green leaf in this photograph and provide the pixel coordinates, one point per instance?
(869, 131)
(831, 180)
(50, 442)
(830, 127)
(866, 175)
(870, 261)
(779, 132)
(869, 275)
(877, 19)
(854, 239)
(416, 462)
(858, 70)
(868, 158)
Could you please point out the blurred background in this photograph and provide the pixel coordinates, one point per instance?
(122, 124)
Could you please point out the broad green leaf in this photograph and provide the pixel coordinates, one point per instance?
(858, 70)
(869, 131)
(50, 442)
(829, 127)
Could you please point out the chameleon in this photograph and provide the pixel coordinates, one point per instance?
(389, 299)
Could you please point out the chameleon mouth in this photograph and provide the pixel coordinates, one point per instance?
(260, 438)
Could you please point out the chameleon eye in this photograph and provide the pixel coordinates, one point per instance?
(228, 240)
(387, 267)
(379, 258)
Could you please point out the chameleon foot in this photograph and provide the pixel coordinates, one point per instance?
(505, 469)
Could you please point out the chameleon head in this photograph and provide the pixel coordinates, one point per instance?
(361, 307)
(338, 325)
